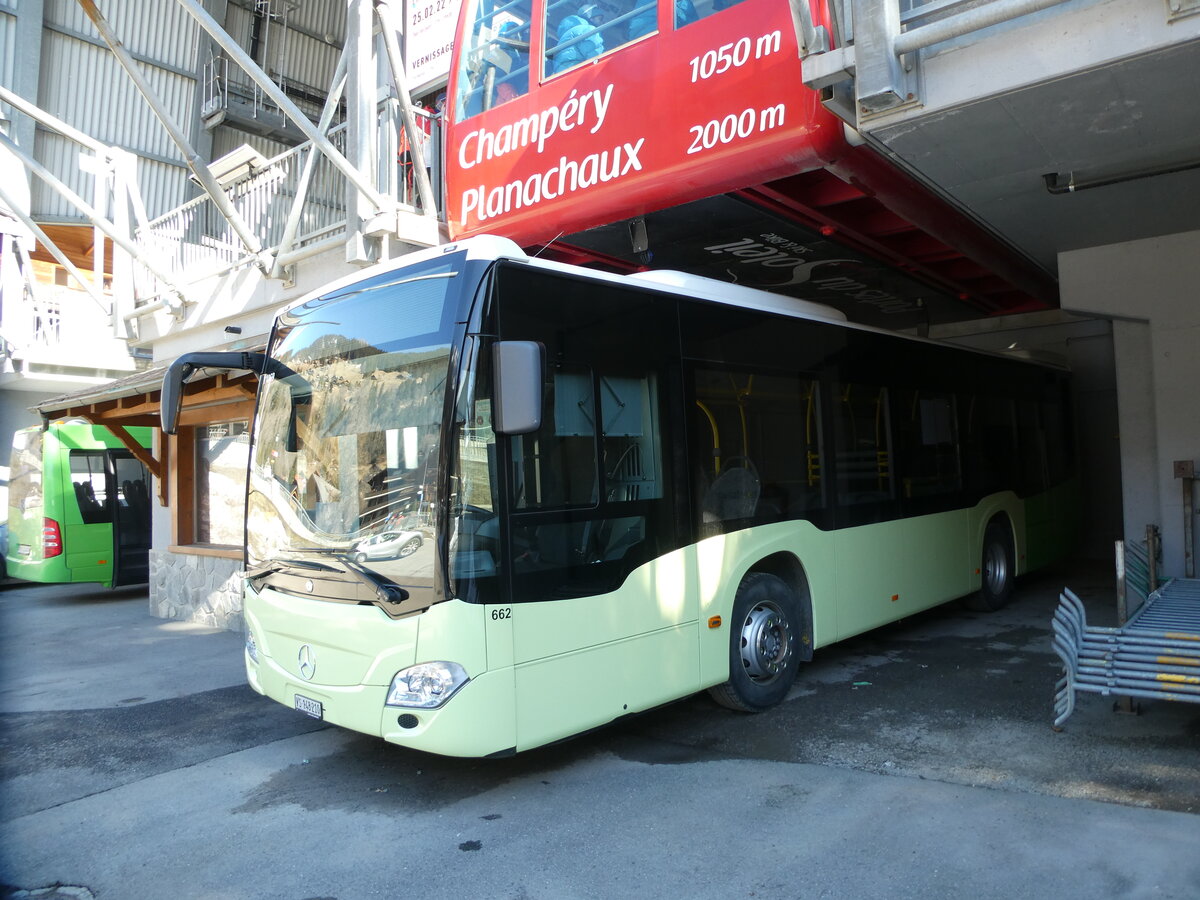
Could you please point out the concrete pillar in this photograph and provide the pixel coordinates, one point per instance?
(1138, 427)
(1151, 289)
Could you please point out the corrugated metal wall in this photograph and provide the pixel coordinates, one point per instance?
(302, 42)
(307, 61)
(8, 37)
(86, 86)
(325, 19)
(158, 29)
(226, 140)
(81, 82)
(314, 44)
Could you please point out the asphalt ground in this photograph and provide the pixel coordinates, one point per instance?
(915, 761)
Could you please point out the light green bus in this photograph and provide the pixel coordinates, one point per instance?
(78, 506)
(628, 489)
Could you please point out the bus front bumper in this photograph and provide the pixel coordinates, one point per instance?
(478, 720)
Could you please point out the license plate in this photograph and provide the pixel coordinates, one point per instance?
(309, 707)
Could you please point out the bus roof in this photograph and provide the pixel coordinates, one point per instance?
(682, 284)
(747, 297)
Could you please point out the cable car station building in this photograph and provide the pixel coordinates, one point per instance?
(1020, 173)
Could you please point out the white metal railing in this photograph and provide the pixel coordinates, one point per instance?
(195, 241)
(55, 321)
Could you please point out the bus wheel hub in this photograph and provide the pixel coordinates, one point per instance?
(766, 642)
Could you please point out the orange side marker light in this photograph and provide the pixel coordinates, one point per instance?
(714, 622)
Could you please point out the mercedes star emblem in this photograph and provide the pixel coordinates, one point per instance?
(308, 662)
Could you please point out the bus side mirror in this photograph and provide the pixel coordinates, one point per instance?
(517, 375)
(171, 399)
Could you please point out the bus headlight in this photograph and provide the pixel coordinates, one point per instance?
(251, 645)
(426, 685)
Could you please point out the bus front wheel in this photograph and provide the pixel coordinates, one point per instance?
(764, 645)
(996, 571)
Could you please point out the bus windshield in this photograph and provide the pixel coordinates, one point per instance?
(348, 428)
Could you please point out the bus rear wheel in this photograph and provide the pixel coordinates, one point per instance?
(996, 571)
(764, 645)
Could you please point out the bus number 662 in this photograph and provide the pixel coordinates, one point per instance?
(503, 612)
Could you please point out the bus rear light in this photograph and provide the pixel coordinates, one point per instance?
(51, 538)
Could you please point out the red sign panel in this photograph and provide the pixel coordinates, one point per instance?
(675, 116)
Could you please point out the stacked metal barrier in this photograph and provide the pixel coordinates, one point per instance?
(1155, 655)
(1137, 568)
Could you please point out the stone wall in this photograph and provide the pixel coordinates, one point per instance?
(206, 590)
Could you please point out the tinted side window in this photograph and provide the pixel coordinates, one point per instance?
(864, 456)
(1035, 470)
(555, 466)
(756, 447)
(91, 486)
(992, 444)
(591, 492)
(926, 425)
(1060, 435)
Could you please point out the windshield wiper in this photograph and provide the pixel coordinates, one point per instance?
(276, 565)
(385, 591)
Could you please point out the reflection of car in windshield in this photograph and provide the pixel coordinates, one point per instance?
(388, 545)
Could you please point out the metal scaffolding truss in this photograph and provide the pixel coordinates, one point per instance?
(332, 188)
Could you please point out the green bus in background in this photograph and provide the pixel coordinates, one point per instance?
(78, 506)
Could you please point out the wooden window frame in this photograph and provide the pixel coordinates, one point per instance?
(182, 466)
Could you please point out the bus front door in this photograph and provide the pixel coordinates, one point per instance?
(131, 519)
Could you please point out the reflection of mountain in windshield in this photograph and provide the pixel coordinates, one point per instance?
(349, 421)
(347, 435)
(364, 441)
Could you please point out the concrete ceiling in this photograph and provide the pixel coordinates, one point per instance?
(1114, 119)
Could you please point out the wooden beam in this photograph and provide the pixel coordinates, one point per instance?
(209, 413)
(140, 453)
(164, 457)
(183, 478)
(131, 421)
(144, 456)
